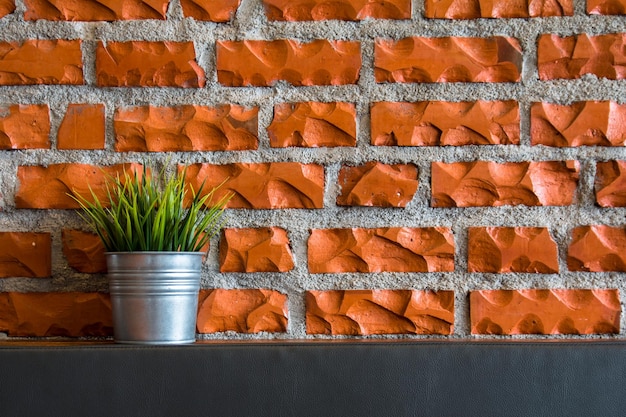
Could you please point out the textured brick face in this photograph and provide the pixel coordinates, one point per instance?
(185, 128)
(48, 187)
(83, 127)
(24, 127)
(211, 10)
(313, 125)
(264, 249)
(606, 7)
(69, 314)
(148, 64)
(300, 10)
(84, 251)
(597, 248)
(242, 311)
(6, 7)
(263, 186)
(25, 254)
(41, 62)
(391, 249)
(451, 9)
(263, 63)
(367, 312)
(559, 311)
(512, 249)
(377, 185)
(584, 123)
(448, 59)
(611, 184)
(438, 123)
(483, 183)
(570, 57)
(95, 10)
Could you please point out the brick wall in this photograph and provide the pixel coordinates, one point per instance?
(417, 168)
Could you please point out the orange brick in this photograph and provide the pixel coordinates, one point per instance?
(95, 10)
(25, 254)
(148, 64)
(242, 311)
(367, 312)
(606, 7)
(66, 314)
(25, 126)
(451, 9)
(570, 57)
(263, 63)
(393, 249)
(186, 128)
(300, 10)
(84, 251)
(377, 185)
(264, 249)
(272, 185)
(611, 184)
(485, 183)
(437, 123)
(210, 10)
(447, 59)
(584, 123)
(512, 249)
(313, 125)
(41, 62)
(6, 7)
(48, 187)
(597, 248)
(82, 127)
(558, 311)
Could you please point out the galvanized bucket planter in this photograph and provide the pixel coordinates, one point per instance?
(154, 296)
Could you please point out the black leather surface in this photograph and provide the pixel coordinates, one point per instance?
(418, 378)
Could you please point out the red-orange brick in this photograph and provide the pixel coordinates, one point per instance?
(148, 64)
(264, 249)
(210, 10)
(48, 187)
(263, 63)
(452, 9)
(25, 254)
(367, 312)
(83, 127)
(606, 7)
(597, 248)
(272, 185)
(611, 184)
(66, 314)
(313, 125)
(437, 123)
(242, 311)
(24, 126)
(41, 62)
(6, 7)
(485, 183)
(186, 128)
(584, 123)
(558, 311)
(377, 185)
(300, 10)
(570, 57)
(83, 251)
(95, 10)
(511, 249)
(447, 59)
(393, 249)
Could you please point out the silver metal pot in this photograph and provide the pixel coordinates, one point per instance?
(154, 296)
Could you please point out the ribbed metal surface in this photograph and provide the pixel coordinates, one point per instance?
(154, 296)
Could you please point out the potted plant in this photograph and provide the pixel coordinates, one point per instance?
(154, 229)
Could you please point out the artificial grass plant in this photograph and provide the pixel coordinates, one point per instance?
(148, 213)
